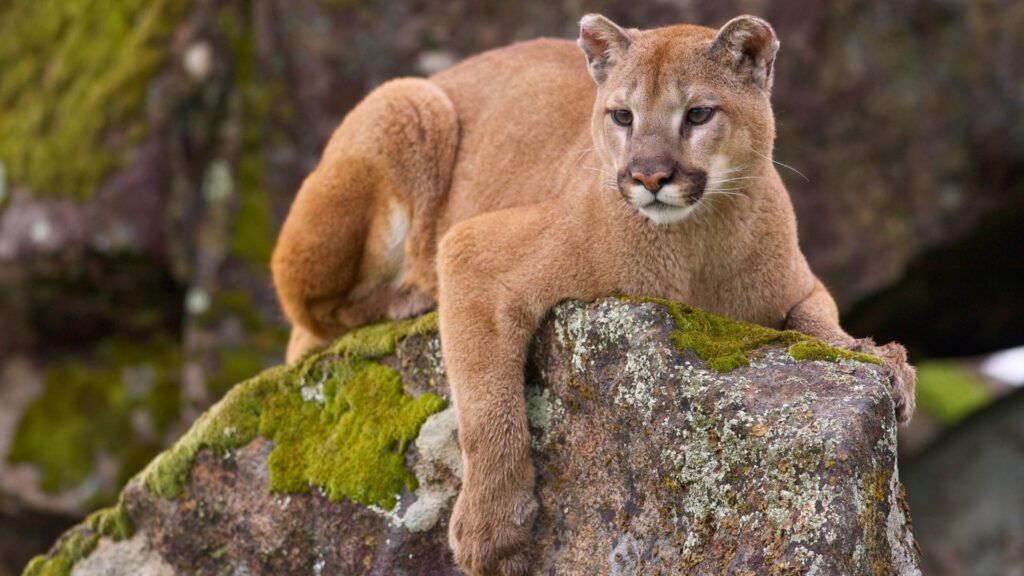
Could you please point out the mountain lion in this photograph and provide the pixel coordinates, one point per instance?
(515, 180)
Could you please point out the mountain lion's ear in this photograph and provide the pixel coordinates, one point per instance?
(604, 43)
(749, 45)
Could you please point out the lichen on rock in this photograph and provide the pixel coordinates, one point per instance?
(437, 459)
(719, 452)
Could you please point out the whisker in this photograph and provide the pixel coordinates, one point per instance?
(598, 170)
(702, 212)
(781, 164)
(737, 178)
(581, 154)
(736, 168)
(715, 208)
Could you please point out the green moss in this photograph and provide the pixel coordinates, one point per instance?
(81, 540)
(86, 411)
(725, 343)
(72, 547)
(112, 522)
(354, 445)
(74, 84)
(949, 390)
(380, 339)
(811, 349)
(338, 420)
(728, 362)
(231, 423)
(43, 566)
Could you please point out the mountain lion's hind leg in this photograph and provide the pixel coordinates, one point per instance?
(358, 243)
(300, 343)
(818, 316)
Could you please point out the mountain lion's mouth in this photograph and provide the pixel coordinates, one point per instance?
(672, 204)
(665, 213)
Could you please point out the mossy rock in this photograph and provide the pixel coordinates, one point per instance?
(726, 344)
(644, 450)
(339, 420)
(75, 78)
(86, 412)
(105, 412)
(950, 391)
(79, 542)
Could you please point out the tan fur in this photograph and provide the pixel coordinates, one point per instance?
(512, 160)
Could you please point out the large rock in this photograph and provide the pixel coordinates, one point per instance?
(967, 496)
(648, 461)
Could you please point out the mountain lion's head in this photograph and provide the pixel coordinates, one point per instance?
(683, 112)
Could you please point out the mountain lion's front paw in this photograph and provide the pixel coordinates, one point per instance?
(489, 535)
(902, 376)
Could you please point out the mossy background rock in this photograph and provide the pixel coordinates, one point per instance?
(648, 461)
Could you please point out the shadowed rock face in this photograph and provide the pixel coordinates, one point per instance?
(647, 463)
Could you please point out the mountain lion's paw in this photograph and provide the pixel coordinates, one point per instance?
(902, 376)
(489, 536)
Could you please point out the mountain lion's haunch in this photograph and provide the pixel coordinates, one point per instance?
(515, 180)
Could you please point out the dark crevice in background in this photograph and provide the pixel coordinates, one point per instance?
(26, 533)
(961, 299)
(71, 301)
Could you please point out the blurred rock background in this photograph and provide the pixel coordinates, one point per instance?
(149, 150)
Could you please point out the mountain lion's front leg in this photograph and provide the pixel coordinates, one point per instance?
(498, 275)
(817, 316)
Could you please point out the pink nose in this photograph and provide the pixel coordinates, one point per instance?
(652, 182)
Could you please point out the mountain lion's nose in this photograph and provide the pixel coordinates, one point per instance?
(652, 182)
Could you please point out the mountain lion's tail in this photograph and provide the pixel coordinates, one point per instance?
(361, 229)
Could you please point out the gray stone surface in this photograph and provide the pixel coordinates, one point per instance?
(131, 557)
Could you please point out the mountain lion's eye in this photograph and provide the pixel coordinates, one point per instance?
(699, 115)
(622, 117)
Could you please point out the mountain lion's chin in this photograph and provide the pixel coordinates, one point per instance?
(662, 213)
